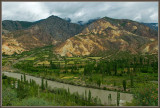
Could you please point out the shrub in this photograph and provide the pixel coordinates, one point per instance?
(9, 96)
(146, 95)
(33, 102)
(104, 88)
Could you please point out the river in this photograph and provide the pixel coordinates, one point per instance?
(101, 94)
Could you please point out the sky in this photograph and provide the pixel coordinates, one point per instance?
(146, 12)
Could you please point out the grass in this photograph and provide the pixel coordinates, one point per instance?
(43, 62)
(45, 56)
(73, 58)
(70, 62)
(31, 58)
(96, 58)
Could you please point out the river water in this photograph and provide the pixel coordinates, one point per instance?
(101, 94)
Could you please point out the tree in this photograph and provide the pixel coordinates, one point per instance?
(124, 85)
(131, 77)
(99, 82)
(115, 68)
(109, 99)
(135, 60)
(109, 69)
(118, 98)
(89, 96)
(21, 78)
(128, 69)
(72, 70)
(85, 95)
(66, 70)
(68, 91)
(24, 77)
(52, 65)
(22, 91)
(141, 61)
(42, 84)
(46, 84)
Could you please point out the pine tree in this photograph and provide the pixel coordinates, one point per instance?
(99, 82)
(109, 99)
(30, 82)
(89, 96)
(21, 78)
(124, 85)
(42, 84)
(85, 95)
(134, 60)
(46, 84)
(115, 68)
(131, 77)
(118, 98)
(68, 91)
(24, 77)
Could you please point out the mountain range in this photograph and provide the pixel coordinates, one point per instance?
(74, 39)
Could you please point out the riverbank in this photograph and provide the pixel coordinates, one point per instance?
(102, 94)
(108, 88)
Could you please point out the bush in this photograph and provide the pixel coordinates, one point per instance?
(146, 95)
(104, 88)
(33, 102)
(9, 96)
(144, 70)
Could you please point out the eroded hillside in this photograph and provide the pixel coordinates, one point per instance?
(111, 34)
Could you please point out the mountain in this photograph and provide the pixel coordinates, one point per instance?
(82, 23)
(10, 25)
(153, 26)
(95, 37)
(50, 31)
(107, 34)
(59, 28)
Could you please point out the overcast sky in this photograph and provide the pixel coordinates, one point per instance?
(80, 11)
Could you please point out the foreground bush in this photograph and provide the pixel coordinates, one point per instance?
(9, 96)
(146, 95)
(33, 101)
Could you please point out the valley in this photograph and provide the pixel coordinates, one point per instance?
(121, 72)
(106, 62)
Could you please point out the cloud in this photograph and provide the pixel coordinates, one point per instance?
(80, 11)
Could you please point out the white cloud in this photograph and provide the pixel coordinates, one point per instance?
(80, 11)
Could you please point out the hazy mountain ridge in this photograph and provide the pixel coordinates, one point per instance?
(152, 25)
(16, 25)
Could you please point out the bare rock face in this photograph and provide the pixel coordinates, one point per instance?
(111, 34)
(11, 46)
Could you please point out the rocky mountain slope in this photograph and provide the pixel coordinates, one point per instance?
(97, 36)
(10, 26)
(111, 34)
(28, 35)
(11, 46)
